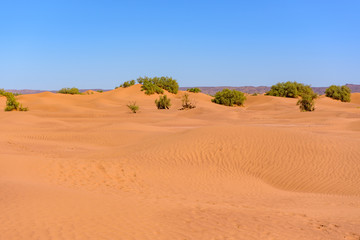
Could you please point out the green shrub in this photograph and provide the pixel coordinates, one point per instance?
(24, 109)
(194, 90)
(187, 103)
(167, 83)
(141, 80)
(133, 107)
(290, 90)
(127, 84)
(71, 91)
(254, 94)
(342, 93)
(100, 91)
(229, 97)
(306, 103)
(11, 102)
(163, 102)
(151, 88)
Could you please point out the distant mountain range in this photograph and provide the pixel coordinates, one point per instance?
(263, 89)
(30, 91)
(206, 90)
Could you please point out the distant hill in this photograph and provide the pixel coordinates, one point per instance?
(29, 91)
(206, 90)
(246, 89)
(263, 89)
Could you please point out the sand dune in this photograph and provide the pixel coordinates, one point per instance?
(355, 98)
(85, 167)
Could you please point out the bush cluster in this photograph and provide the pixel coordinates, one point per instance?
(163, 102)
(295, 90)
(194, 90)
(150, 88)
(71, 91)
(127, 84)
(11, 102)
(152, 85)
(290, 90)
(342, 93)
(229, 97)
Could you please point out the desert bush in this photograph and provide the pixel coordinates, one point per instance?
(306, 103)
(100, 91)
(187, 103)
(291, 90)
(167, 83)
(23, 109)
(229, 97)
(141, 80)
(150, 88)
(71, 91)
(194, 90)
(342, 93)
(128, 84)
(11, 102)
(133, 107)
(163, 102)
(254, 94)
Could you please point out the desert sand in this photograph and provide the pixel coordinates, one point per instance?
(85, 167)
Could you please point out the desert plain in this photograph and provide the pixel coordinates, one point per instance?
(85, 167)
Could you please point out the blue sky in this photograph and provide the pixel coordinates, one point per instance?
(99, 44)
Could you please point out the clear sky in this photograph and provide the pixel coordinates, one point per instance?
(99, 44)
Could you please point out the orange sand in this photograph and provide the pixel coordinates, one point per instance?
(85, 167)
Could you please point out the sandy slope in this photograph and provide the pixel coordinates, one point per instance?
(84, 167)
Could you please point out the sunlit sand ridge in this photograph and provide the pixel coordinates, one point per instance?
(85, 167)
